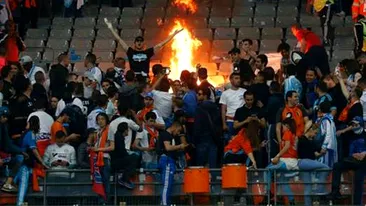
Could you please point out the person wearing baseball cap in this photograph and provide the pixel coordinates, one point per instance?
(149, 107)
(138, 56)
(30, 69)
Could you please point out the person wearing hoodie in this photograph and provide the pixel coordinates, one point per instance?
(207, 117)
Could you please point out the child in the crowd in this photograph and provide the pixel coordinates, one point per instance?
(146, 142)
(83, 149)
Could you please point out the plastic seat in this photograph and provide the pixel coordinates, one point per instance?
(309, 21)
(156, 3)
(265, 10)
(130, 34)
(205, 46)
(34, 42)
(287, 10)
(128, 42)
(51, 55)
(225, 33)
(104, 56)
(201, 11)
(62, 23)
(60, 34)
(291, 41)
(239, 21)
(222, 45)
(104, 34)
(58, 44)
(272, 33)
(339, 55)
(132, 11)
(220, 3)
(151, 23)
(129, 22)
(263, 22)
(109, 11)
(343, 31)
(221, 12)
(241, 3)
(203, 33)
(88, 22)
(269, 46)
(101, 24)
(250, 33)
(343, 43)
(81, 44)
(90, 11)
(197, 22)
(215, 22)
(176, 12)
(104, 45)
(84, 33)
(243, 11)
(153, 13)
(285, 22)
(43, 23)
(37, 34)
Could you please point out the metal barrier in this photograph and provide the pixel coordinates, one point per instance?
(78, 189)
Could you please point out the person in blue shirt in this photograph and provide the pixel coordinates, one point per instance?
(30, 146)
(355, 162)
(291, 82)
(190, 105)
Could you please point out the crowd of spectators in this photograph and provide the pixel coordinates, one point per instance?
(299, 116)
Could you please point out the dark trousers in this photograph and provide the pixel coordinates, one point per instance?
(30, 15)
(230, 158)
(359, 167)
(128, 164)
(325, 16)
(358, 32)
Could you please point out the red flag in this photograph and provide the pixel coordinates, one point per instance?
(96, 176)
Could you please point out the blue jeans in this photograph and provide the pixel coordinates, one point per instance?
(231, 131)
(167, 168)
(22, 178)
(281, 166)
(310, 165)
(106, 174)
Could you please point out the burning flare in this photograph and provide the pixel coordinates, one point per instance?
(184, 46)
(186, 4)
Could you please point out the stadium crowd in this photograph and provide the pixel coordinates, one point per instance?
(301, 117)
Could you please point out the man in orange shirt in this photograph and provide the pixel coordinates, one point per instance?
(11, 41)
(58, 125)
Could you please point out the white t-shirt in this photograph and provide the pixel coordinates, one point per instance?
(363, 102)
(32, 73)
(45, 122)
(131, 126)
(64, 153)
(97, 73)
(163, 103)
(61, 105)
(233, 99)
(147, 156)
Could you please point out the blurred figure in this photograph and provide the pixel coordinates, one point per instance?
(12, 42)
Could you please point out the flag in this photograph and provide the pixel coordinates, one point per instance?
(96, 176)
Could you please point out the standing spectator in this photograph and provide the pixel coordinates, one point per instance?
(321, 90)
(60, 156)
(260, 89)
(84, 149)
(230, 101)
(129, 93)
(260, 63)
(69, 98)
(247, 52)
(58, 125)
(189, 106)
(206, 121)
(240, 65)
(59, 75)
(30, 13)
(119, 69)
(12, 42)
(325, 13)
(106, 83)
(90, 65)
(102, 147)
(163, 100)
(354, 73)
(202, 77)
(21, 106)
(5, 12)
(335, 91)
(39, 91)
(112, 93)
(360, 43)
(102, 102)
(149, 107)
(51, 108)
(30, 69)
(309, 86)
(8, 73)
(315, 53)
(168, 148)
(291, 82)
(362, 85)
(284, 49)
(138, 56)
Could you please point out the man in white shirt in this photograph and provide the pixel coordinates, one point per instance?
(132, 126)
(163, 100)
(30, 68)
(362, 84)
(230, 101)
(60, 156)
(102, 103)
(90, 64)
(45, 120)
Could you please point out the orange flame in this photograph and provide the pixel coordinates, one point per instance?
(187, 4)
(184, 45)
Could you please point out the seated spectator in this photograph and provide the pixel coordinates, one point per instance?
(84, 148)
(60, 156)
(308, 152)
(102, 102)
(146, 142)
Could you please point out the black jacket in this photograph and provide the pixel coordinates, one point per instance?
(6, 143)
(207, 118)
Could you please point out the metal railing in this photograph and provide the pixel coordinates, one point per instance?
(77, 190)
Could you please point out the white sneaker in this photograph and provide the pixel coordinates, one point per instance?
(9, 188)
